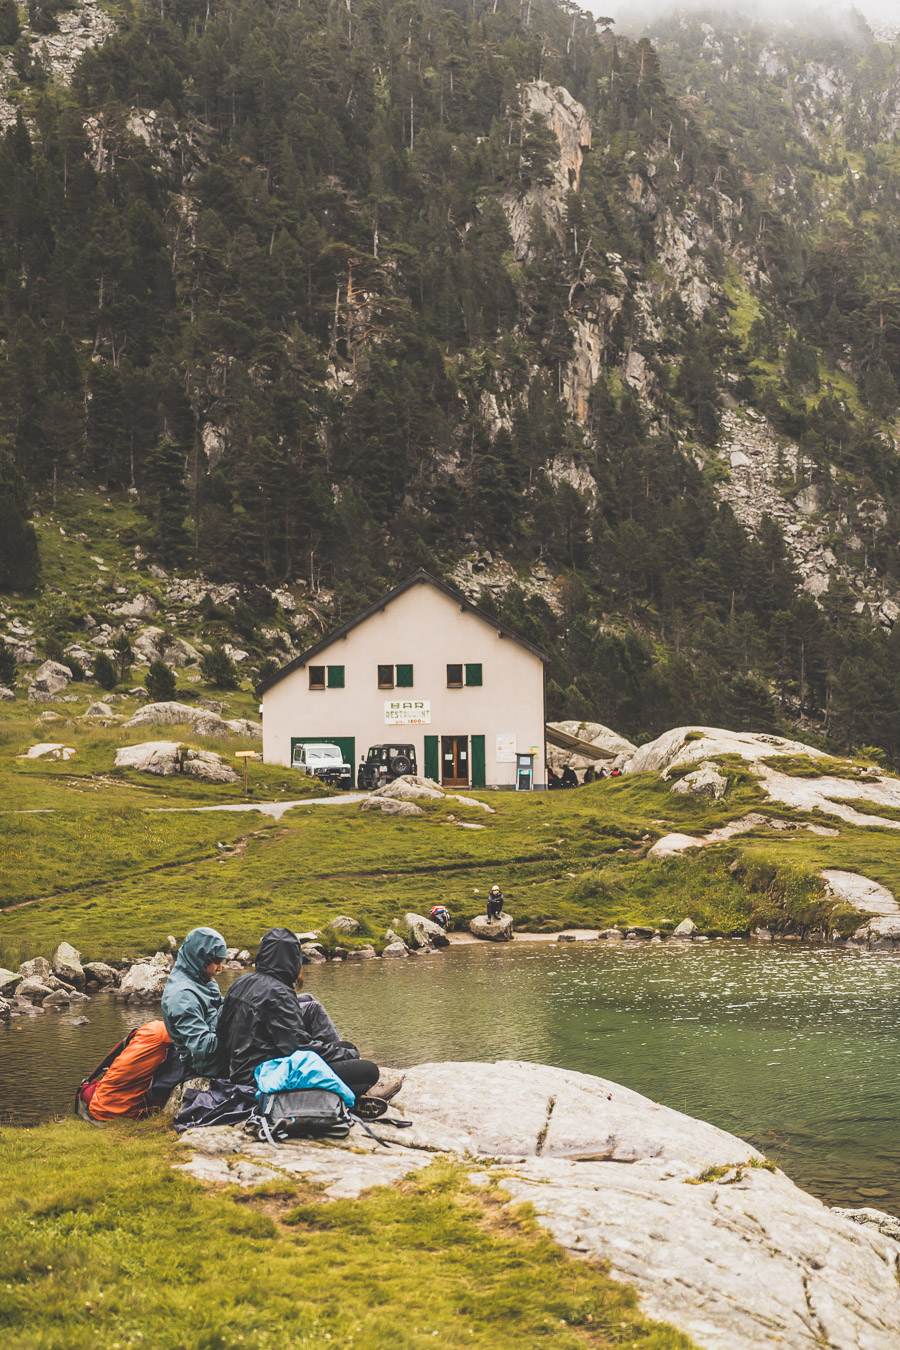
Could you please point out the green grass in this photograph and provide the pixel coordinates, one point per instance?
(113, 861)
(827, 766)
(103, 1244)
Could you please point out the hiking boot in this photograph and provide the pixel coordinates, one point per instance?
(386, 1088)
(369, 1108)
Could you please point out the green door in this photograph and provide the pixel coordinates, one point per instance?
(346, 745)
(478, 764)
(431, 758)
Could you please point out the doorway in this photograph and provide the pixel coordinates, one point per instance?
(454, 761)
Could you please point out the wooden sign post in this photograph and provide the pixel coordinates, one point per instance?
(246, 756)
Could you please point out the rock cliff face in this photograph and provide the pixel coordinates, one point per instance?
(568, 121)
(83, 26)
(762, 465)
(713, 1238)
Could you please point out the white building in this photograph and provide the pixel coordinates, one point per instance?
(421, 666)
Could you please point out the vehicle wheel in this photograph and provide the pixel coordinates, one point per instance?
(361, 781)
(400, 765)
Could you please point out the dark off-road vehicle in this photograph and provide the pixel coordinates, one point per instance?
(383, 764)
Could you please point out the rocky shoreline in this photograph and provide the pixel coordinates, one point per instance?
(60, 983)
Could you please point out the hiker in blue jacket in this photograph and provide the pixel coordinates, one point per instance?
(192, 1001)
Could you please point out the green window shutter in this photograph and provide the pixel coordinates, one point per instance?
(335, 677)
(473, 674)
(404, 677)
(478, 765)
(431, 758)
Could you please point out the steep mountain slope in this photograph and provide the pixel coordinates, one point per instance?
(340, 290)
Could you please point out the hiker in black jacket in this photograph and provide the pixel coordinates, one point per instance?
(261, 1019)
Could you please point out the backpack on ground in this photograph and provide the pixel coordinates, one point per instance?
(300, 1113)
(88, 1086)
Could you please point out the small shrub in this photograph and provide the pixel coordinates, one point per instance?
(124, 654)
(105, 672)
(267, 669)
(218, 668)
(7, 666)
(78, 671)
(53, 650)
(160, 682)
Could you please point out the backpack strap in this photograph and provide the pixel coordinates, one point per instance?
(358, 1121)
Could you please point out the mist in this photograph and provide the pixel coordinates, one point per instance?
(825, 15)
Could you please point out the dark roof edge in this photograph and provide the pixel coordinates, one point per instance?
(417, 579)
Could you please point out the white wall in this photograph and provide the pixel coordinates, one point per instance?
(427, 629)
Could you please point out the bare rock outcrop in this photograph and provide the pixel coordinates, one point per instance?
(424, 932)
(146, 980)
(156, 645)
(48, 750)
(690, 745)
(204, 721)
(66, 965)
(409, 787)
(50, 680)
(98, 972)
(568, 120)
(170, 757)
(493, 930)
(704, 781)
(9, 980)
(389, 806)
(714, 1239)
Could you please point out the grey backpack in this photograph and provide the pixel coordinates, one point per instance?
(300, 1112)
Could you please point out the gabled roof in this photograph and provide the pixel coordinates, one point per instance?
(420, 578)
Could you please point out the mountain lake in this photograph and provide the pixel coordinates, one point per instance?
(792, 1047)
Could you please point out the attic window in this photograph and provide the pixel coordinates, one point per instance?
(317, 677)
(385, 677)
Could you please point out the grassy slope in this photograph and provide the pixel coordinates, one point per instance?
(100, 858)
(101, 1243)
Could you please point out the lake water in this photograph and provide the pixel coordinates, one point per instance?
(793, 1048)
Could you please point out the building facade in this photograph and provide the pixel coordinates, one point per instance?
(421, 666)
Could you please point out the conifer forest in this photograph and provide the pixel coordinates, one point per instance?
(606, 326)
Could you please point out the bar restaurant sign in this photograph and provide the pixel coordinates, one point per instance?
(407, 712)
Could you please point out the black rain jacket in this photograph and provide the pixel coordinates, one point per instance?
(261, 1018)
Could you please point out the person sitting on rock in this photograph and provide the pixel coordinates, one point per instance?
(262, 1019)
(192, 1001)
(440, 914)
(494, 903)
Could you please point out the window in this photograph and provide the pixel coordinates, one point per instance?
(317, 677)
(471, 671)
(391, 676)
(335, 677)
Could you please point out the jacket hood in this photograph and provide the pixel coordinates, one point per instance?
(201, 946)
(279, 955)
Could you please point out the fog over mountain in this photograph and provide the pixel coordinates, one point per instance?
(883, 14)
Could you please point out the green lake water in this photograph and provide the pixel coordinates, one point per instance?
(793, 1048)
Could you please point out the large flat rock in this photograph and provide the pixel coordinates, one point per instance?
(692, 1217)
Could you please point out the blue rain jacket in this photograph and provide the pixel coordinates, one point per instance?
(302, 1069)
(191, 1002)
